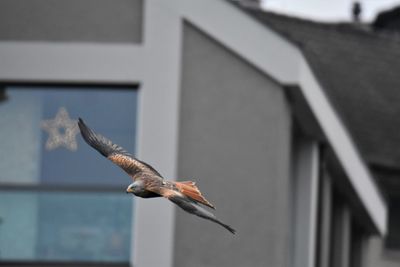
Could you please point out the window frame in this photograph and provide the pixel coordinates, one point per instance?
(60, 264)
(66, 188)
(63, 187)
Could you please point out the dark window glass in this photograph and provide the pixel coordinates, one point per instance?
(393, 235)
(85, 216)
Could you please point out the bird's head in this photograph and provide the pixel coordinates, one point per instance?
(135, 187)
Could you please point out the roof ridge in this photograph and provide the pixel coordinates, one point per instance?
(341, 26)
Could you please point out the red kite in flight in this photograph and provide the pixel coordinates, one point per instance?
(147, 182)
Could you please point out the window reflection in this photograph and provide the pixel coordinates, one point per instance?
(86, 216)
(65, 226)
(23, 140)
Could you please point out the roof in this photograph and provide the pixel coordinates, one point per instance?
(388, 20)
(359, 70)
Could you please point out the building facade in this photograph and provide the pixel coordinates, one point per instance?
(202, 90)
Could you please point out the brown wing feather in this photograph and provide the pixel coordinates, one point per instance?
(189, 189)
(114, 152)
(132, 166)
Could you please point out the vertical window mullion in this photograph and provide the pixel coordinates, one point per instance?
(341, 236)
(305, 195)
(325, 213)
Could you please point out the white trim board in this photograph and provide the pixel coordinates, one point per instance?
(158, 134)
(254, 42)
(70, 62)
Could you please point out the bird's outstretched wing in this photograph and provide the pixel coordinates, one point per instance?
(192, 207)
(115, 153)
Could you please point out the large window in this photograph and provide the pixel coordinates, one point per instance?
(60, 200)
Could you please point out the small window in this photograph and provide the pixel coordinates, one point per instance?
(60, 200)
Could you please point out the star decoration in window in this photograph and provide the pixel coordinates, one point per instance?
(62, 131)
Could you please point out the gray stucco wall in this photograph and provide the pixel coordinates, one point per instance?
(117, 21)
(235, 132)
(377, 255)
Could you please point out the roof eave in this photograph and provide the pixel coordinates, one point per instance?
(344, 148)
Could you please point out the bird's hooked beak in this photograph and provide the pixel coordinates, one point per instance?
(129, 190)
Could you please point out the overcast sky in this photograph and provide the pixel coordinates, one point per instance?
(329, 10)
